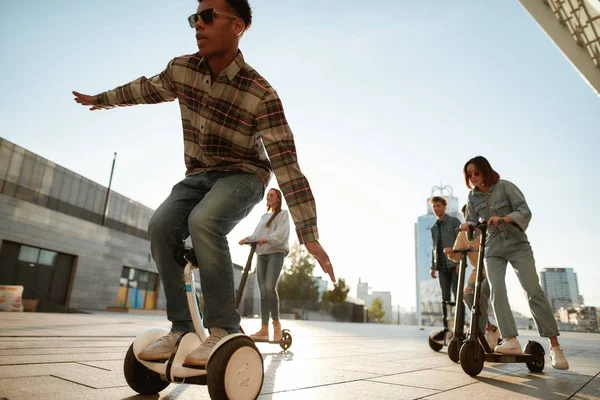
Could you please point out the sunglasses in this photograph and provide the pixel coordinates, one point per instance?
(207, 16)
(474, 174)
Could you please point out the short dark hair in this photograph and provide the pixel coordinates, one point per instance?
(438, 199)
(490, 177)
(242, 9)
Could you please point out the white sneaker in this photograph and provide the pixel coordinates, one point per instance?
(509, 346)
(199, 357)
(558, 358)
(492, 337)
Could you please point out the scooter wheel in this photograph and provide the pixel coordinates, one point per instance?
(470, 362)
(454, 350)
(536, 350)
(286, 339)
(235, 371)
(140, 378)
(435, 346)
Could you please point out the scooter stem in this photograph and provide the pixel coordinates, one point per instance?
(190, 291)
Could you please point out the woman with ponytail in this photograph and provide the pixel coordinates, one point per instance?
(272, 236)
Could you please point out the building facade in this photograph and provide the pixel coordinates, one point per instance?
(56, 243)
(561, 287)
(364, 293)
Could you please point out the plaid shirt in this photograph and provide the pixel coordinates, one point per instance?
(229, 125)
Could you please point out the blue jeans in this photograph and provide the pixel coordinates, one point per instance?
(268, 268)
(448, 283)
(205, 207)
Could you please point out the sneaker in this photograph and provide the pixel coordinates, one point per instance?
(509, 346)
(262, 335)
(558, 358)
(199, 357)
(161, 349)
(492, 337)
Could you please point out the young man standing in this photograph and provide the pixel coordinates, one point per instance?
(443, 235)
(235, 134)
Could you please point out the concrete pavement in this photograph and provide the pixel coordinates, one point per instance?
(80, 356)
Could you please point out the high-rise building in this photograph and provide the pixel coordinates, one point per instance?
(429, 294)
(561, 287)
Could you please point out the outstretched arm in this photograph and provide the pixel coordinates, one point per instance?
(157, 89)
(278, 139)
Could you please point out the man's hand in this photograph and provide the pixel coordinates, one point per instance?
(262, 241)
(495, 221)
(319, 253)
(84, 100)
(432, 273)
(243, 241)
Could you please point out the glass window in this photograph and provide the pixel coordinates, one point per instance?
(131, 274)
(47, 257)
(29, 254)
(143, 276)
(152, 280)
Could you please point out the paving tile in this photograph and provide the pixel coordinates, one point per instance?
(590, 391)
(521, 386)
(327, 360)
(86, 375)
(42, 387)
(60, 358)
(360, 390)
(305, 373)
(63, 350)
(439, 380)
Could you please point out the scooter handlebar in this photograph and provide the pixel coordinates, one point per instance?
(483, 225)
(456, 251)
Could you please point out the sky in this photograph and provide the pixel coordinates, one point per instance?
(386, 100)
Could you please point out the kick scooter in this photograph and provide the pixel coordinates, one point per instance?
(439, 339)
(475, 349)
(286, 336)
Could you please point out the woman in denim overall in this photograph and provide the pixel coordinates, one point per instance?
(503, 206)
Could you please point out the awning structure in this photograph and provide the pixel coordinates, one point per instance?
(574, 26)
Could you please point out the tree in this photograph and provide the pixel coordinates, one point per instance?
(339, 292)
(376, 311)
(297, 281)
